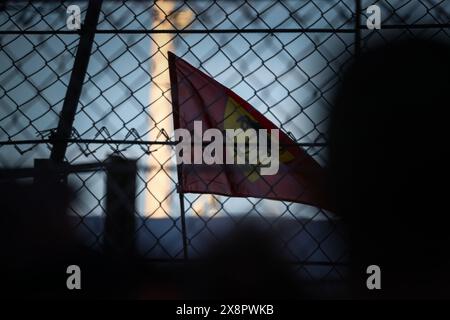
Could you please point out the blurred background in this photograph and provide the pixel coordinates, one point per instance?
(286, 58)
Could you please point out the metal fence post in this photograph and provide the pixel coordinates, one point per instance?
(73, 93)
(358, 15)
(119, 233)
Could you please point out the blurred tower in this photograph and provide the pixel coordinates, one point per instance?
(206, 205)
(159, 201)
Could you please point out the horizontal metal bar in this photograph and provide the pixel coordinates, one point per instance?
(37, 32)
(257, 30)
(411, 26)
(183, 31)
(132, 142)
(20, 173)
(17, 173)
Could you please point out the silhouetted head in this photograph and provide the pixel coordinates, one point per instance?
(389, 159)
(246, 264)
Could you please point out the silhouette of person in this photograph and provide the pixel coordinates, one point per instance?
(246, 264)
(389, 164)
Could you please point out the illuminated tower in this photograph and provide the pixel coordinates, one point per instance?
(162, 163)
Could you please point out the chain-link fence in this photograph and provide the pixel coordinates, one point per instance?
(79, 96)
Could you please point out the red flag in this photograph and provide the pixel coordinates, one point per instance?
(198, 97)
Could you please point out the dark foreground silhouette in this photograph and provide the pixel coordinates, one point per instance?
(389, 158)
(37, 244)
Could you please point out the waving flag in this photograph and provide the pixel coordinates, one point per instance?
(198, 97)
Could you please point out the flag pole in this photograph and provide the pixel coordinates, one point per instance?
(176, 125)
(183, 219)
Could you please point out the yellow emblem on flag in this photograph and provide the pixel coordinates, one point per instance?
(236, 117)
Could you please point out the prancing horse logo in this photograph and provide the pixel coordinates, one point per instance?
(236, 117)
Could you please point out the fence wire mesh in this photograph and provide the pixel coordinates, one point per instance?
(285, 58)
